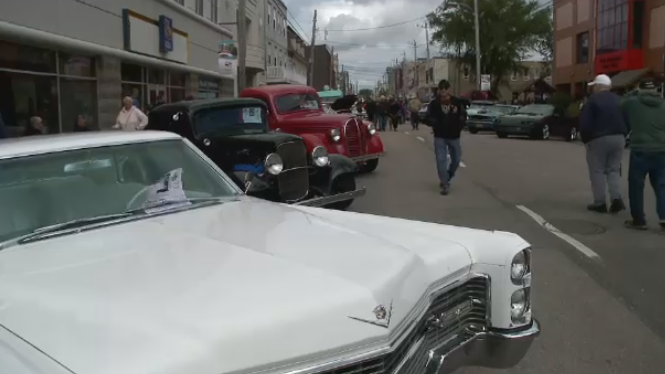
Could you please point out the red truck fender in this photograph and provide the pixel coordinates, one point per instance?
(313, 140)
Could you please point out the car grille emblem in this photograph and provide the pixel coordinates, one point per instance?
(382, 315)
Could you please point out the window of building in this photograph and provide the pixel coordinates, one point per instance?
(582, 48)
(638, 19)
(199, 7)
(513, 76)
(181, 2)
(176, 87)
(213, 11)
(466, 73)
(526, 75)
(208, 88)
(612, 25)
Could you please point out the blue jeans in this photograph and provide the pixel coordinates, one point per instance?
(641, 165)
(383, 120)
(443, 147)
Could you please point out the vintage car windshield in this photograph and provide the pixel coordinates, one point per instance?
(55, 188)
(236, 119)
(501, 109)
(295, 102)
(536, 109)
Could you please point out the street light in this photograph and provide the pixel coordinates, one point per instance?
(476, 21)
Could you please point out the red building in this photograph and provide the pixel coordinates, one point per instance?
(624, 39)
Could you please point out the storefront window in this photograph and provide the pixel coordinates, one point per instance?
(78, 97)
(80, 66)
(176, 94)
(156, 76)
(23, 96)
(612, 25)
(177, 79)
(136, 92)
(131, 73)
(20, 57)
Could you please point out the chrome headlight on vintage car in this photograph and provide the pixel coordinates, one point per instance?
(335, 135)
(274, 164)
(520, 267)
(371, 129)
(520, 306)
(320, 156)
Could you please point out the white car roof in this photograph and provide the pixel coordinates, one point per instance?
(40, 144)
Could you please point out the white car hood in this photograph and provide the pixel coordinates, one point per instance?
(215, 290)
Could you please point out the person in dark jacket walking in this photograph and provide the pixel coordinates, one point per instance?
(446, 114)
(645, 115)
(603, 131)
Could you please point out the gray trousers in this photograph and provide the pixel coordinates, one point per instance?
(604, 156)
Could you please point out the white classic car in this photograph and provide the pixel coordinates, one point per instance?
(132, 253)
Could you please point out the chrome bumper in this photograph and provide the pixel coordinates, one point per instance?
(498, 350)
(327, 200)
(364, 158)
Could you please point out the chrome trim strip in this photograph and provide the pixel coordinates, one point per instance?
(409, 322)
(366, 157)
(326, 200)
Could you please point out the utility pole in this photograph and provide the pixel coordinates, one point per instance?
(426, 27)
(241, 29)
(415, 65)
(477, 27)
(311, 52)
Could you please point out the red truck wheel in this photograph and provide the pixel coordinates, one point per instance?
(371, 165)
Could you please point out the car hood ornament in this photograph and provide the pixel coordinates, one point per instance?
(382, 316)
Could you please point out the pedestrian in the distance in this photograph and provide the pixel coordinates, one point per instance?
(382, 113)
(603, 131)
(80, 124)
(35, 127)
(130, 117)
(445, 114)
(645, 116)
(414, 106)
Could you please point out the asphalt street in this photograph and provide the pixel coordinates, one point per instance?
(599, 289)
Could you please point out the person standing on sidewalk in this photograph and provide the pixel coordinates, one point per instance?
(603, 131)
(445, 114)
(414, 107)
(382, 113)
(645, 114)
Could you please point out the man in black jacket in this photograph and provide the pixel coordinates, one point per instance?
(603, 131)
(446, 115)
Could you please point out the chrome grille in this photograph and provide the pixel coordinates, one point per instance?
(410, 356)
(353, 137)
(293, 181)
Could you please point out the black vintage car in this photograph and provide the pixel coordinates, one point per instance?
(274, 166)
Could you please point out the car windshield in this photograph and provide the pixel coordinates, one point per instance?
(536, 109)
(236, 119)
(40, 191)
(501, 109)
(295, 102)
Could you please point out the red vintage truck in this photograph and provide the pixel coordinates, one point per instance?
(297, 109)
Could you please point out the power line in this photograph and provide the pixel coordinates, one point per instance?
(383, 27)
(294, 19)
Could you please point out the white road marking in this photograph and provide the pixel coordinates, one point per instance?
(461, 163)
(565, 237)
(420, 138)
(406, 132)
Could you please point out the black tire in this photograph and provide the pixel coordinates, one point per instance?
(572, 134)
(473, 131)
(344, 183)
(502, 135)
(370, 165)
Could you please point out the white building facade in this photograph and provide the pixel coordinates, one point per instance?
(296, 70)
(62, 59)
(276, 42)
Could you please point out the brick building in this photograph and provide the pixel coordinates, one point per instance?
(622, 38)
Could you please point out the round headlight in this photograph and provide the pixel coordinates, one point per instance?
(371, 128)
(519, 305)
(520, 266)
(335, 135)
(320, 156)
(274, 164)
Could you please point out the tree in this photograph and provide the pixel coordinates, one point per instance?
(510, 31)
(545, 47)
(365, 92)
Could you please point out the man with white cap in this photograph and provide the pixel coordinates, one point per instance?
(603, 131)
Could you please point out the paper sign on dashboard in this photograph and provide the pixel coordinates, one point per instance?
(251, 115)
(168, 189)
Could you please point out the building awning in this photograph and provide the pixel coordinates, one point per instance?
(628, 78)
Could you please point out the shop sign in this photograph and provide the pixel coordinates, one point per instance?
(208, 85)
(612, 62)
(227, 58)
(165, 34)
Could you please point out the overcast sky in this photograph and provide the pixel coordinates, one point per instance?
(366, 53)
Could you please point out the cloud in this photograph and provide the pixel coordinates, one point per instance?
(389, 30)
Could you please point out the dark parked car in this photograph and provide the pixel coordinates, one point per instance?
(537, 121)
(484, 119)
(274, 166)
